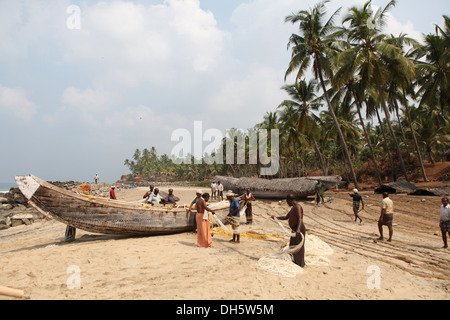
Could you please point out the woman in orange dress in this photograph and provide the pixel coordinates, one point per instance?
(204, 239)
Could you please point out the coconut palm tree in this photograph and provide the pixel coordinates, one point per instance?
(313, 45)
(303, 100)
(400, 86)
(434, 74)
(374, 59)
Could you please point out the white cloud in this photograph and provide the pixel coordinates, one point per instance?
(16, 102)
(395, 28)
(92, 104)
(131, 43)
(243, 100)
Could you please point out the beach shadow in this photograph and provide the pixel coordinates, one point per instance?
(188, 244)
(345, 221)
(86, 238)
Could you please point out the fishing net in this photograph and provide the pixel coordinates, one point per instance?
(281, 262)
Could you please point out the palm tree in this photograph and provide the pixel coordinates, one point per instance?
(434, 73)
(401, 86)
(303, 100)
(314, 45)
(374, 59)
(288, 121)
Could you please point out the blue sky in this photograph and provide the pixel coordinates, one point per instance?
(79, 101)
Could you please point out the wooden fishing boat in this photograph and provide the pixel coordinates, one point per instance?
(102, 215)
(278, 188)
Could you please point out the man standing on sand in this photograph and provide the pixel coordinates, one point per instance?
(248, 197)
(213, 190)
(444, 223)
(219, 191)
(234, 217)
(204, 239)
(356, 199)
(112, 193)
(295, 217)
(194, 202)
(386, 217)
(319, 193)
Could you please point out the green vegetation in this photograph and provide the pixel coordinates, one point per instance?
(378, 104)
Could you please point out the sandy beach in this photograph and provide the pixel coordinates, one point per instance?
(413, 266)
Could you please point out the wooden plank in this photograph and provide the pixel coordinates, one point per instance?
(5, 291)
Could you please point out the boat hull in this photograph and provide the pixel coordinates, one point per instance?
(101, 215)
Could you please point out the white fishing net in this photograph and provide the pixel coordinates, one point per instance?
(280, 263)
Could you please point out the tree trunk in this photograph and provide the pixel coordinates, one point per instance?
(338, 127)
(386, 146)
(358, 107)
(394, 138)
(322, 162)
(401, 129)
(415, 140)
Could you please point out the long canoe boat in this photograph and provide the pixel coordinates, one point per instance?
(102, 215)
(278, 188)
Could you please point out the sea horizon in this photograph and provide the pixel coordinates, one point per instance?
(6, 186)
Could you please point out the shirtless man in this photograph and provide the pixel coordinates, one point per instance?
(295, 217)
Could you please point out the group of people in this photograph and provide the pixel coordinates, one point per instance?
(234, 215)
(217, 190)
(387, 215)
(387, 208)
(153, 197)
(294, 216)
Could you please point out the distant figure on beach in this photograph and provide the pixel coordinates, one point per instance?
(112, 193)
(96, 178)
(444, 222)
(213, 190)
(356, 200)
(155, 197)
(248, 198)
(295, 217)
(386, 217)
(204, 239)
(170, 198)
(198, 194)
(234, 216)
(220, 191)
(148, 193)
(319, 192)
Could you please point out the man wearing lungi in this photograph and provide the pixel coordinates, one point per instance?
(386, 217)
(248, 198)
(356, 200)
(234, 216)
(295, 217)
(444, 222)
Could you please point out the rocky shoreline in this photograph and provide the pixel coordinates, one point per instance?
(15, 211)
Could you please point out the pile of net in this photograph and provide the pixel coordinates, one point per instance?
(280, 263)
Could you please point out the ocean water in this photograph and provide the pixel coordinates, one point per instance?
(5, 186)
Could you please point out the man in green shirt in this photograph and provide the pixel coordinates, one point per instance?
(319, 192)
